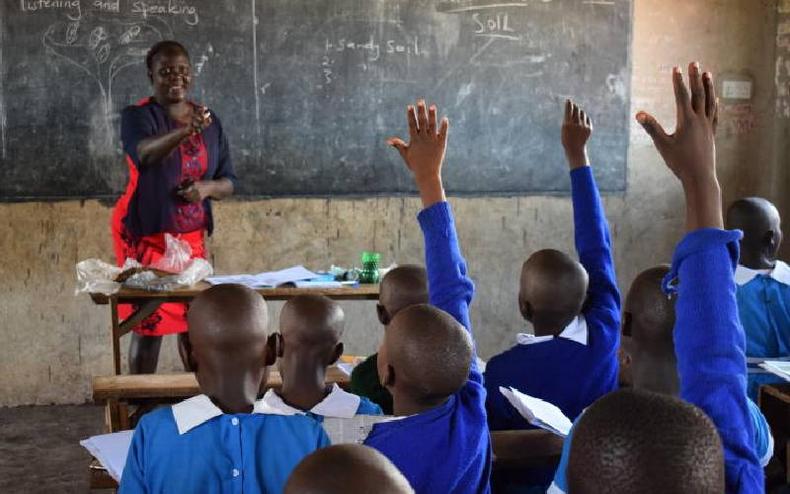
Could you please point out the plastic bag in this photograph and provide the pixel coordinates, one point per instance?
(197, 270)
(178, 255)
(97, 276)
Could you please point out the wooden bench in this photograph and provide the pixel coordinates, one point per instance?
(116, 393)
(525, 449)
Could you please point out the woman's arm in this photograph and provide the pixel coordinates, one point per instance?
(153, 150)
(208, 189)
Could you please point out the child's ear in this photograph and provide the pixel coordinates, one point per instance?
(338, 351)
(274, 349)
(384, 317)
(185, 351)
(387, 379)
(525, 308)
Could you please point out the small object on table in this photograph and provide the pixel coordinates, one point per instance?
(370, 267)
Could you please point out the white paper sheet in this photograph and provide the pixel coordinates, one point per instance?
(354, 430)
(779, 367)
(266, 279)
(538, 412)
(111, 451)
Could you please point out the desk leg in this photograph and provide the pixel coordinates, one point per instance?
(116, 336)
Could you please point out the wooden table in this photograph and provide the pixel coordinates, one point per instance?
(147, 303)
(775, 404)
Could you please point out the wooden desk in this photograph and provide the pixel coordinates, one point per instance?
(147, 302)
(774, 402)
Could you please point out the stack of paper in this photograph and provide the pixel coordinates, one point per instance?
(111, 451)
(538, 412)
(267, 279)
(779, 367)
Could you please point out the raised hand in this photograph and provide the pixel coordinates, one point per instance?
(576, 130)
(691, 151)
(424, 153)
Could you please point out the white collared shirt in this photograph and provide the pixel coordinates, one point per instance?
(575, 331)
(780, 273)
(199, 409)
(338, 404)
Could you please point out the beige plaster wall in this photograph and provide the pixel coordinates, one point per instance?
(52, 342)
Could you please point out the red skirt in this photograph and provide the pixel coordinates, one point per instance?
(169, 318)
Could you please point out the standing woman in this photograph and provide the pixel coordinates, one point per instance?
(178, 160)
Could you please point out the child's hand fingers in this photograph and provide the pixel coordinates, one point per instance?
(588, 122)
(653, 129)
(574, 113)
(582, 117)
(681, 94)
(444, 128)
(411, 116)
(710, 95)
(398, 144)
(697, 90)
(422, 115)
(568, 110)
(432, 120)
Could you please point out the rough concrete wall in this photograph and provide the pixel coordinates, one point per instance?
(53, 342)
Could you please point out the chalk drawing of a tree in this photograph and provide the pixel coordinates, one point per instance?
(103, 46)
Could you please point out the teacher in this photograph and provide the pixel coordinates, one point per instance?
(178, 160)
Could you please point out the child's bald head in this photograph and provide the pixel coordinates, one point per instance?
(401, 287)
(552, 290)
(648, 327)
(347, 469)
(759, 220)
(425, 355)
(227, 336)
(637, 441)
(311, 327)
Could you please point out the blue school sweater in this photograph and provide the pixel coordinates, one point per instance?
(764, 308)
(446, 449)
(194, 447)
(561, 371)
(710, 348)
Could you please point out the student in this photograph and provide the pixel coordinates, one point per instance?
(763, 286)
(709, 341)
(572, 359)
(426, 358)
(220, 440)
(401, 287)
(648, 344)
(347, 469)
(636, 441)
(310, 330)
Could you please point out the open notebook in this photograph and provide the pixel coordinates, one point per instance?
(538, 412)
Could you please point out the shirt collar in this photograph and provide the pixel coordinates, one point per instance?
(780, 273)
(193, 412)
(338, 403)
(575, 331)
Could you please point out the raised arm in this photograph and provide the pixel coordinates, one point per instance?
(449, 287)
(593, 242)
(709, 341)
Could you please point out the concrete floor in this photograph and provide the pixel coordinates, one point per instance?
(40, 451)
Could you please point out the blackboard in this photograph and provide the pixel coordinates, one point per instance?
(309, 90)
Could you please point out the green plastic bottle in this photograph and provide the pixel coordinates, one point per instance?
(370, 267)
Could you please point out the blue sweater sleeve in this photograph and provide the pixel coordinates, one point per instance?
(132, 477)
(594, 247)
(449, 287)
(710, 348)
(136, 125)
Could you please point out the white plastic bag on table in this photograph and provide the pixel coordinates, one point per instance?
(197, 270)
(97, 276)
(178, 254)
